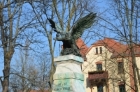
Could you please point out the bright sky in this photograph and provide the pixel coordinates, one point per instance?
(101, 8)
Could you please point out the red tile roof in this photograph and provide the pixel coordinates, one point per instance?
(116, 48)
(82, 46)
(136, 51)
(111, 44)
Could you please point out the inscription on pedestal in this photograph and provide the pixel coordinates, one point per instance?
(62, 85)
(68, 76)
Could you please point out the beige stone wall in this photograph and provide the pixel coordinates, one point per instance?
(90, 64)
(138, 65)
(111, 65)
(115, 78)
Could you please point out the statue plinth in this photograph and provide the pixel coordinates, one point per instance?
(68, 76)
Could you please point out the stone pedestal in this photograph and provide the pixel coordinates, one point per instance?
(68, 76)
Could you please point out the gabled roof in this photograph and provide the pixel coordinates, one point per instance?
(116, 48)
(110, 44)
(127, 52)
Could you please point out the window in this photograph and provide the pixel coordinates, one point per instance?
(122, 88)
(120, 67)
(100, 50)
(100, 88)
(99, 67)
(96, 50)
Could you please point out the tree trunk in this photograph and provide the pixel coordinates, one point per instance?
(6, 72)
(53, 69)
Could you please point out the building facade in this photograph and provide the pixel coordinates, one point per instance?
(108, 67)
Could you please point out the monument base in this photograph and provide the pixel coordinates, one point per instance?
(68, 76)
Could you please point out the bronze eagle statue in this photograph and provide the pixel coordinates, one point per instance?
(69, 38)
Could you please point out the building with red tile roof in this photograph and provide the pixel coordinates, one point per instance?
(108, 67)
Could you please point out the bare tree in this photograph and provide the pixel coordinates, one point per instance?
(29, 70)
(123, 21)
(64, 13)
(13, 23)
(24, 73)
(44, 62)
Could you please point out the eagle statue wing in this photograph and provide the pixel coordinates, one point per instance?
(82, 24)
(52, 24)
